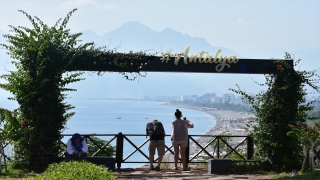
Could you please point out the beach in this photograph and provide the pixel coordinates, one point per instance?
(226, 120)
(229, 123)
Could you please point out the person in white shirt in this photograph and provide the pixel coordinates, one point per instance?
(77, 148)
(179, 138)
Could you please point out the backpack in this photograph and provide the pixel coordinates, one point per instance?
(155, 129)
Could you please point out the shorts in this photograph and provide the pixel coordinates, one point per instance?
(159, 144)
(184, 144)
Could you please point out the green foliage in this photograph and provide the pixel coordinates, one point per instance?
(301, 175)
(165, 162)
(92, 147)
(13, 173)
(11, 128)
(222, 143)
(225, 151)
(44, 57)
(309, 137)
(224, 147)
(281, 104)
(245, 168)
(76, 170)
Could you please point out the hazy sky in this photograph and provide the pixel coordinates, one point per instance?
(241, 25)
(248, 27)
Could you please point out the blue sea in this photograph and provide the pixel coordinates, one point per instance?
(129, 117)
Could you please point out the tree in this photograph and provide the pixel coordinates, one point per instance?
(281, 104)
(43, 56)
(92, 148)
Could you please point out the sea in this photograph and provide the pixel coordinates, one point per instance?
(111, 116)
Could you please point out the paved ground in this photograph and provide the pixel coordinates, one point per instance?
(144, 173)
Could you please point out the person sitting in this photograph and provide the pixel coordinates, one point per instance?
(77, 148)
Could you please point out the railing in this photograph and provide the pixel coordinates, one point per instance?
(214, 142)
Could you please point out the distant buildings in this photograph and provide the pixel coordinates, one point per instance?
(228, 98)
(209, 97)
(212, 98)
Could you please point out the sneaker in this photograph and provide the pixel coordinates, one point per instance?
(157, 168)
(151, 168)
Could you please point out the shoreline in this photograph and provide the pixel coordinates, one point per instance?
(223, 118)
(227, 123)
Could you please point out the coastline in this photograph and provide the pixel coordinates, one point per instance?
(227, 123)
(226, 120)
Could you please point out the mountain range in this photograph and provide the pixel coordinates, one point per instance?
(136, 37)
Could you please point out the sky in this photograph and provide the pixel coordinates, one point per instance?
(249, 27)
(241, 25)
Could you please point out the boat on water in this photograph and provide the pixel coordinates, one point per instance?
(118, 118)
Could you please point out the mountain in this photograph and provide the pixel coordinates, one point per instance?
(136, 36)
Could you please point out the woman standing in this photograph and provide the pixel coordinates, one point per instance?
(179, 138)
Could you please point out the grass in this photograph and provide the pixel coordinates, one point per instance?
(64, 169)
(16, 174)
(165, 164)
(304, 175)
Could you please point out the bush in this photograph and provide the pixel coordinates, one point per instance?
(76, 170)
(283, 103)
(92, 148)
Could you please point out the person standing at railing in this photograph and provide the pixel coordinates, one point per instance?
(179, 139)
(157, 134)
(77, 148)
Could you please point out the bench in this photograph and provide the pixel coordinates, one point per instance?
(218, 166)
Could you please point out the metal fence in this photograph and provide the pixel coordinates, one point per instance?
(221, 147)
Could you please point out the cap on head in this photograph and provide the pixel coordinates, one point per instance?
(76, 136)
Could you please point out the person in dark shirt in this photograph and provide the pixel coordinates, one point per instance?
(157, 134)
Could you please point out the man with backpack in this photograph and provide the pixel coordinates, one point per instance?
(157, 134)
